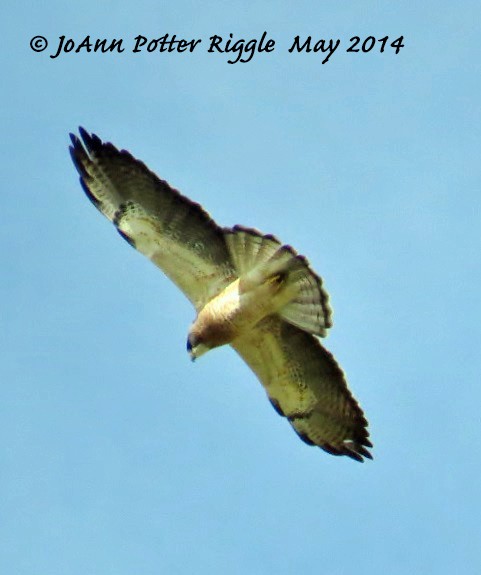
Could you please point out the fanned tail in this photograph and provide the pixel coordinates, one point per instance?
(259, 258)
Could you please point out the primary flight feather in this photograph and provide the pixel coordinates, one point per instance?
(248, 289)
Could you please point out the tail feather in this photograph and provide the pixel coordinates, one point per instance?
(259, 257)
(249, 248)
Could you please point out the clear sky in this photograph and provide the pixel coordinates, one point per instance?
(120, 456)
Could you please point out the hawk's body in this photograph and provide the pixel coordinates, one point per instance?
(249, 290)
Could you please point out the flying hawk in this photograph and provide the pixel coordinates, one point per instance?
(249, 291)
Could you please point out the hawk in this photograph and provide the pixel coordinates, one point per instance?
(249, 291)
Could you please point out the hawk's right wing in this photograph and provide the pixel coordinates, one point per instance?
(171, 230)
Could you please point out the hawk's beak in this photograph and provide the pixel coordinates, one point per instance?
(191, 350)
(197, 350)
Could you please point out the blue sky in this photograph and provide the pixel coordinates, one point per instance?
(117, 454)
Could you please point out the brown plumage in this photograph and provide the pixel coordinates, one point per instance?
(249, 290)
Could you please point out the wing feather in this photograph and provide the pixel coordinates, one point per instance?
(306, 385)
(174, 232)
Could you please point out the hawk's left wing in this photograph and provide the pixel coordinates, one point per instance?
(171, 230)
(305, 384)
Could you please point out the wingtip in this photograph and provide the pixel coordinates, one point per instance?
(88, 139)
(353, 449)
(71, 149)
(359, 455)
(364, 452)
(83, 133)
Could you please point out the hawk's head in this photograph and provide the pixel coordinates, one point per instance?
(195, 346)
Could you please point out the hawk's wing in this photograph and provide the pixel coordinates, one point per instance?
(171, 230)
(306, 385)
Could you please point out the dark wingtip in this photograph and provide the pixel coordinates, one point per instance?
(91, 141)
(355, 451)
(360, 452)
(354, 455)
(74, 139)
(83, 133)
(73, 155)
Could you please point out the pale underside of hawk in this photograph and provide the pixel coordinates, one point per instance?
(248, 289)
